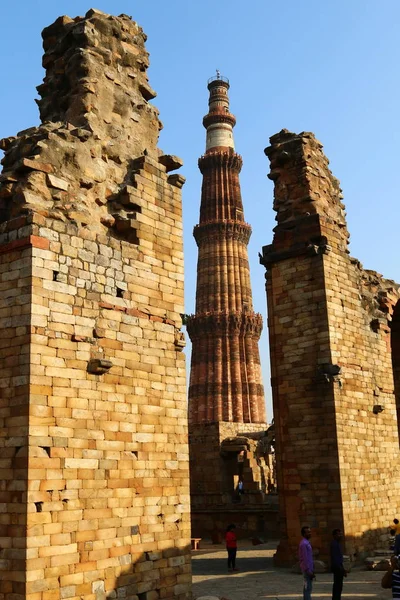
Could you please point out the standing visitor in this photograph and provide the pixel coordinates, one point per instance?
(231, 546)
(395, 527)
(395, 530)
(306, 562)
(337, 567)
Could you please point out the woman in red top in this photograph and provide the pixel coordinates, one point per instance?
(231, 546)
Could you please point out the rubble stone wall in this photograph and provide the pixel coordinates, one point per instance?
(94, 442)
(331, 339)
(215, 472)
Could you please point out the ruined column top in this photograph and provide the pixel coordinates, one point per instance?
(304, 185)
(98, 129)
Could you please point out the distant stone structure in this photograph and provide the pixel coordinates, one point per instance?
(228, 441)
(93, 445)
(334, 333)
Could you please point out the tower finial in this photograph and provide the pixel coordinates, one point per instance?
(219, 121)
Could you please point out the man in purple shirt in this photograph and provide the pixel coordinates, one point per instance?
(306, 562)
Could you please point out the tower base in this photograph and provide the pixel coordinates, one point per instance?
(232, 480)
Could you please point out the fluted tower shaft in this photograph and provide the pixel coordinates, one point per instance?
(225, 380)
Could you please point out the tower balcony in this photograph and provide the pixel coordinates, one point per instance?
(229, 322)
(216, 80)
(238, 231)
(219, 115)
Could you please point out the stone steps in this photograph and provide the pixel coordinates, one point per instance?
(379, 562)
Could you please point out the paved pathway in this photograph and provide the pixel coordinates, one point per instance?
(258, 579)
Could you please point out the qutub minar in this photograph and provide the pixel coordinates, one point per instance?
(226, 395)
(225, 382)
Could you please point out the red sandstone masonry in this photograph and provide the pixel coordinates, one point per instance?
(225, 380)
(226, 396)
(32, 241)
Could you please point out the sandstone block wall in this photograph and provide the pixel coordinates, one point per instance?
(215, 470)
(332, 348)
(93, 446)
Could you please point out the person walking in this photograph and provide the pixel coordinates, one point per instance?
(306, 562)
(337, 567)
(231, 546)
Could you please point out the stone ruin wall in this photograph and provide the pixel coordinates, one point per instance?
(93, 445)
(215, 473)
(336, 449)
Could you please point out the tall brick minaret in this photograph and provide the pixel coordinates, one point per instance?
(227, 425)
(225, 382)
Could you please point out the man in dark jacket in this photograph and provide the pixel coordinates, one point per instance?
(337, 564)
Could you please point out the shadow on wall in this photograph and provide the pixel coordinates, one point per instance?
(150, 575)
(378, 538)
(13, 494)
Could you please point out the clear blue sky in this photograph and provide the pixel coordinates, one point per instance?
(330, 67)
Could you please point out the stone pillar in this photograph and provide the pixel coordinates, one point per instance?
(95, 481)
(328, 359)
